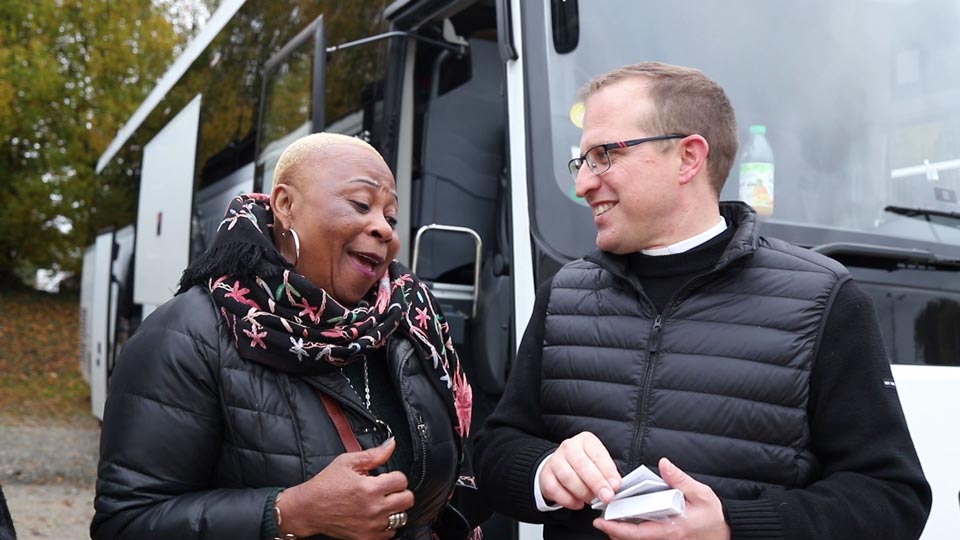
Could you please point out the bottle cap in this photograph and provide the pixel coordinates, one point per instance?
(757, 129)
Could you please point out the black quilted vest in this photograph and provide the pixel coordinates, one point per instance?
(718, 382)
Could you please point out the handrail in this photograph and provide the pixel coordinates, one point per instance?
(455, 229)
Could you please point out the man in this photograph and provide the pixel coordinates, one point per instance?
(748, 372)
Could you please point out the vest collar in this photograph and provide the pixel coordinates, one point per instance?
(746, 237)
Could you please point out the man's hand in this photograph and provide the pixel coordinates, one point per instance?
(580, 470)
(702, 519)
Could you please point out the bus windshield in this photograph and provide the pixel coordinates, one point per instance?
(859, 103)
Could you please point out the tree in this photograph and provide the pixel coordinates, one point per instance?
(71, 72)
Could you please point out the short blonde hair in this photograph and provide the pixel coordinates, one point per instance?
(310, 145)
(685, 101)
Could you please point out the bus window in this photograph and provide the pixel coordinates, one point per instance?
(354, 92)
(287, 107)
(308, 88)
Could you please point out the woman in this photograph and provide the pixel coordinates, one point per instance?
(6, 522)
(293, 338)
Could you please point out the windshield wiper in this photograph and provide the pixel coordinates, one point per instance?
(921, 212)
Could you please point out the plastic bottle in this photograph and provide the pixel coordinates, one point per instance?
(756, 172)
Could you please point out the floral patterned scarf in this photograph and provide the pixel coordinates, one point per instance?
(279, 319)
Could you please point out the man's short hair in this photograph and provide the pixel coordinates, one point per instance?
(685, 101)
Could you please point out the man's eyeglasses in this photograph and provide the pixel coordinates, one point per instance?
(598, 157)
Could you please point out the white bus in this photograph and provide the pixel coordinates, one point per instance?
(473, 104)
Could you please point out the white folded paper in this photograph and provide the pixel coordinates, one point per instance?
(640, 480)
(649, 506)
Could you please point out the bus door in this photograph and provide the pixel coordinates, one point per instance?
(459, 204)
(105, 309)
(459, 208)
(164, 209)
(99, 321)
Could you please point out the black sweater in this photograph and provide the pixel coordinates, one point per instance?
(871, 482)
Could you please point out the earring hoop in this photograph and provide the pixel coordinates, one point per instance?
(296, 244)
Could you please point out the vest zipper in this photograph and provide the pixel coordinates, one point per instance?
(655, 335)
(636, 449)
(645, 383)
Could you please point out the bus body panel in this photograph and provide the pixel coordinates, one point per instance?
(930, 396)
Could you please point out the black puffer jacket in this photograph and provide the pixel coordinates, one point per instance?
(6, 522)
(196, 438)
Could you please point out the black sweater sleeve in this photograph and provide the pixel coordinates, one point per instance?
(871, 484)
(511, 445)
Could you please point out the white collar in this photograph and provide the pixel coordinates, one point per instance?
(689, 243)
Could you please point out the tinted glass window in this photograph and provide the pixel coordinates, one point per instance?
(860, 101)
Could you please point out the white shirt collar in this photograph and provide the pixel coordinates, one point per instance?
(689, 243)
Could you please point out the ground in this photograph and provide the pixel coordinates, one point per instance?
(50, 511)
(50, 439)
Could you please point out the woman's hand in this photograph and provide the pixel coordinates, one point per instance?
(344, 501)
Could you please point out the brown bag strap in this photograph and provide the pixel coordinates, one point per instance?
(347, 437)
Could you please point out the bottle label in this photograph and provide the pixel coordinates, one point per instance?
(756, 186)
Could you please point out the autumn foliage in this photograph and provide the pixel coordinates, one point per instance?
(39, 358)
(71, 73)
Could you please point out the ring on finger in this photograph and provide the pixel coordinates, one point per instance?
(395, 521)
